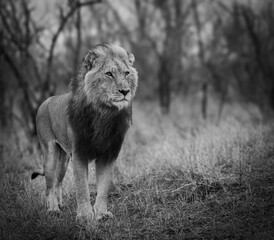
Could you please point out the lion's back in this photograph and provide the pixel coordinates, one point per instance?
(51, 120)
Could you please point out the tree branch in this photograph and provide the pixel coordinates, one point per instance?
(18, 75)
(64, 19)
(199, 29)
(254, 39)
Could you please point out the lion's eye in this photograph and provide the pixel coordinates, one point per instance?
(109, 74)
(126, 73)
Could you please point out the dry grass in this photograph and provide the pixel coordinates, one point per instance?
(176, 178)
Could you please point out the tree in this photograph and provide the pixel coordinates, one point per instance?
(30, 62)
(173, 15)
(161, 27)
(250, 36)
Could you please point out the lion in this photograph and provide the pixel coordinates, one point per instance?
(88, 123)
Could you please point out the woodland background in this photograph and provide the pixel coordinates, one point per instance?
(187, 50)
(197, 162)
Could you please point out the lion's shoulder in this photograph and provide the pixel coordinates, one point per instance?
(51, 119)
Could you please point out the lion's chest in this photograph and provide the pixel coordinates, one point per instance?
(106, 141)
(100, 137)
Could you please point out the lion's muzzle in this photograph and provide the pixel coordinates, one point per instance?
(124, 92)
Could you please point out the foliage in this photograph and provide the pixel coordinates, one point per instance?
(248, 34)
(180, 47)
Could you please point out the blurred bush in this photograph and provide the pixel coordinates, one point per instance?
(196, 51)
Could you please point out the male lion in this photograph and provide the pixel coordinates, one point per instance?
(88, 123)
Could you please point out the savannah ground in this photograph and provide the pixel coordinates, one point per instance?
(177, 177)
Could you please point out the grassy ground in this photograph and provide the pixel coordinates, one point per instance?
(176, 178)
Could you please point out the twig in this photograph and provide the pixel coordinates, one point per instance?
(64, 19)
(183, 186)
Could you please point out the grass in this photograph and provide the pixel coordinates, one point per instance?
(175, 178)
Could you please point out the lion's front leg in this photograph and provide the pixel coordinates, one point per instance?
(103, 180)
(84, 208)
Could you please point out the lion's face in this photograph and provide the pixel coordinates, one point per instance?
(110, 80)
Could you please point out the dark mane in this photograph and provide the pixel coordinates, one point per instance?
(98, 129)
(98, 134)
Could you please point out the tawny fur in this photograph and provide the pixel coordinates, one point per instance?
(88, 123)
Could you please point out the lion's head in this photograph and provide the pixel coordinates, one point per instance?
(107, 77)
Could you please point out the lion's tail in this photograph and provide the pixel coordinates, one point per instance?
(35, 174)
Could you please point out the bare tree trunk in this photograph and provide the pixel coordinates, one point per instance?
(202, 58)
(221, 106)
(3, 113)
(204, 100)
(271, 98)
(79, 39)
(164, 77)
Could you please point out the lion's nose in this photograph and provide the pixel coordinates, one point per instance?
(124, 92)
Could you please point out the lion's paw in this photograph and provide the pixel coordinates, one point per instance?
(53, 209)
(102, 216)
(85, 218)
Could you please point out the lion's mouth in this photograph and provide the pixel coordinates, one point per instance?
(121, 100)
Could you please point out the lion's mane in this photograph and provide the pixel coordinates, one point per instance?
(98, 128)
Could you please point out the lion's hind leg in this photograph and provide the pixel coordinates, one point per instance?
(61, 171)
(51, 155)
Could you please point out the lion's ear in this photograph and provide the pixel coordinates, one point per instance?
(131, 58)
(90, 58)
